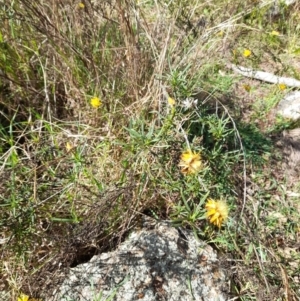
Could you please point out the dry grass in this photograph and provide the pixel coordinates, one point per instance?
(76, 179)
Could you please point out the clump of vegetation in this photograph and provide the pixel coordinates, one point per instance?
(119, 109)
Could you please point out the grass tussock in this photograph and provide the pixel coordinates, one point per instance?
(115, 110)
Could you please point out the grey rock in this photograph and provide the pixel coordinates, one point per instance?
(162, 263)
(290, 147)
(289, 106)
(5, 296)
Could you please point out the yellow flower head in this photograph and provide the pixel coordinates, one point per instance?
(282, 87)
(190, 162)
(80, 5)
(69, 146)
(95, 102)
(247, 53)
(23, 297)
(275, 33)
(247, 87)
(171, 101)
(217, 211)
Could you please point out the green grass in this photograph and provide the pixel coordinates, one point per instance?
(72, 174)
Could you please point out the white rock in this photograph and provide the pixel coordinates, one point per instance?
(163, 263)
(289, 106)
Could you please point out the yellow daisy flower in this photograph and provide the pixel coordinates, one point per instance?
(282, 87)
(69, 146)
(80, 5)
(171, 101)
(95, 102)
(217, 211)
(190, 162)
(247, 53)
(23, 297)
(275, 33)
(247, 87)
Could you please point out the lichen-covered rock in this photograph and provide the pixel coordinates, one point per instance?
(289, 106)
(163, 263)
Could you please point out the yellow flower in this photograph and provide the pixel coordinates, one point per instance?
(81, 5)
(95, 102)
(247, 53)
(69, 146)
(217, 211)
(190, 162)
(171, 101)
(282, 87)
(275, 33)
(23, 297)
(247, 87)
